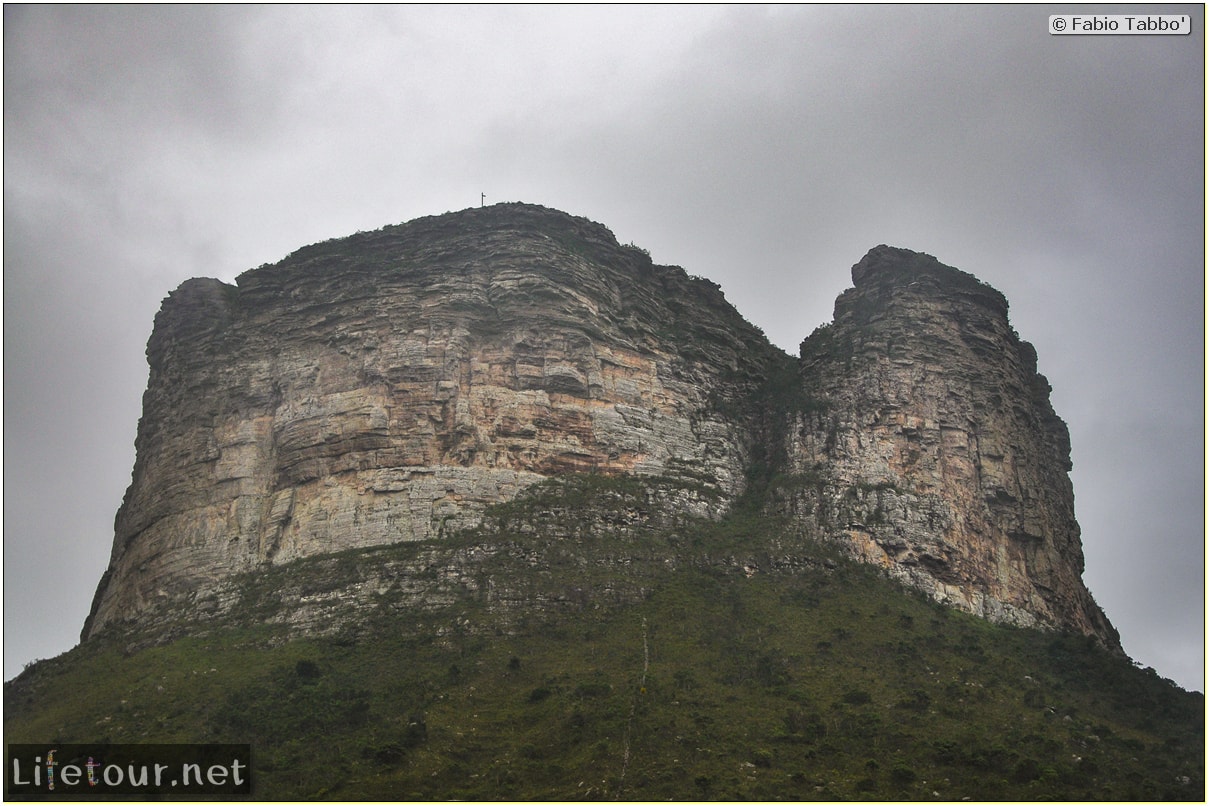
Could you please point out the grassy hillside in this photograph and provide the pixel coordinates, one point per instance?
(632, 658)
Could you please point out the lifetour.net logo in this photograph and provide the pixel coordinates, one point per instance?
(77, 771)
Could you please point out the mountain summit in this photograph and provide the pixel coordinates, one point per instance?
(393, 386)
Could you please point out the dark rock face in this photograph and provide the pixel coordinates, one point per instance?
(933, 450)
(389, 386)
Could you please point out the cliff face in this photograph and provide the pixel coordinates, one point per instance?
(930, 447)
(390, 386)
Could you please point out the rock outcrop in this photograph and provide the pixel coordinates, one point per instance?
(928, 445)
(390, 386)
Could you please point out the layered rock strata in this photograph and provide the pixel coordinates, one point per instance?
(927, 444)
(388, 386)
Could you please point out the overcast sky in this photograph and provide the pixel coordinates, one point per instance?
(765, 149)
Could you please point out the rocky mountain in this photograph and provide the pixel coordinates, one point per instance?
(933, 451)
(391, 387)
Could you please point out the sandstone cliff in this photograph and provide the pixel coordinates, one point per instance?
(929, 446)
(389, 386)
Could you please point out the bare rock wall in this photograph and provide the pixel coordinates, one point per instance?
(389, 386)
(929, 446)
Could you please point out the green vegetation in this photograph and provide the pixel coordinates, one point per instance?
(686, 668)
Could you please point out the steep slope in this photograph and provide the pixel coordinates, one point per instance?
(928, 446)
(387, 386)
(603, 650)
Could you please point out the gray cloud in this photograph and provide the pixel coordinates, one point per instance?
(765, 148)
